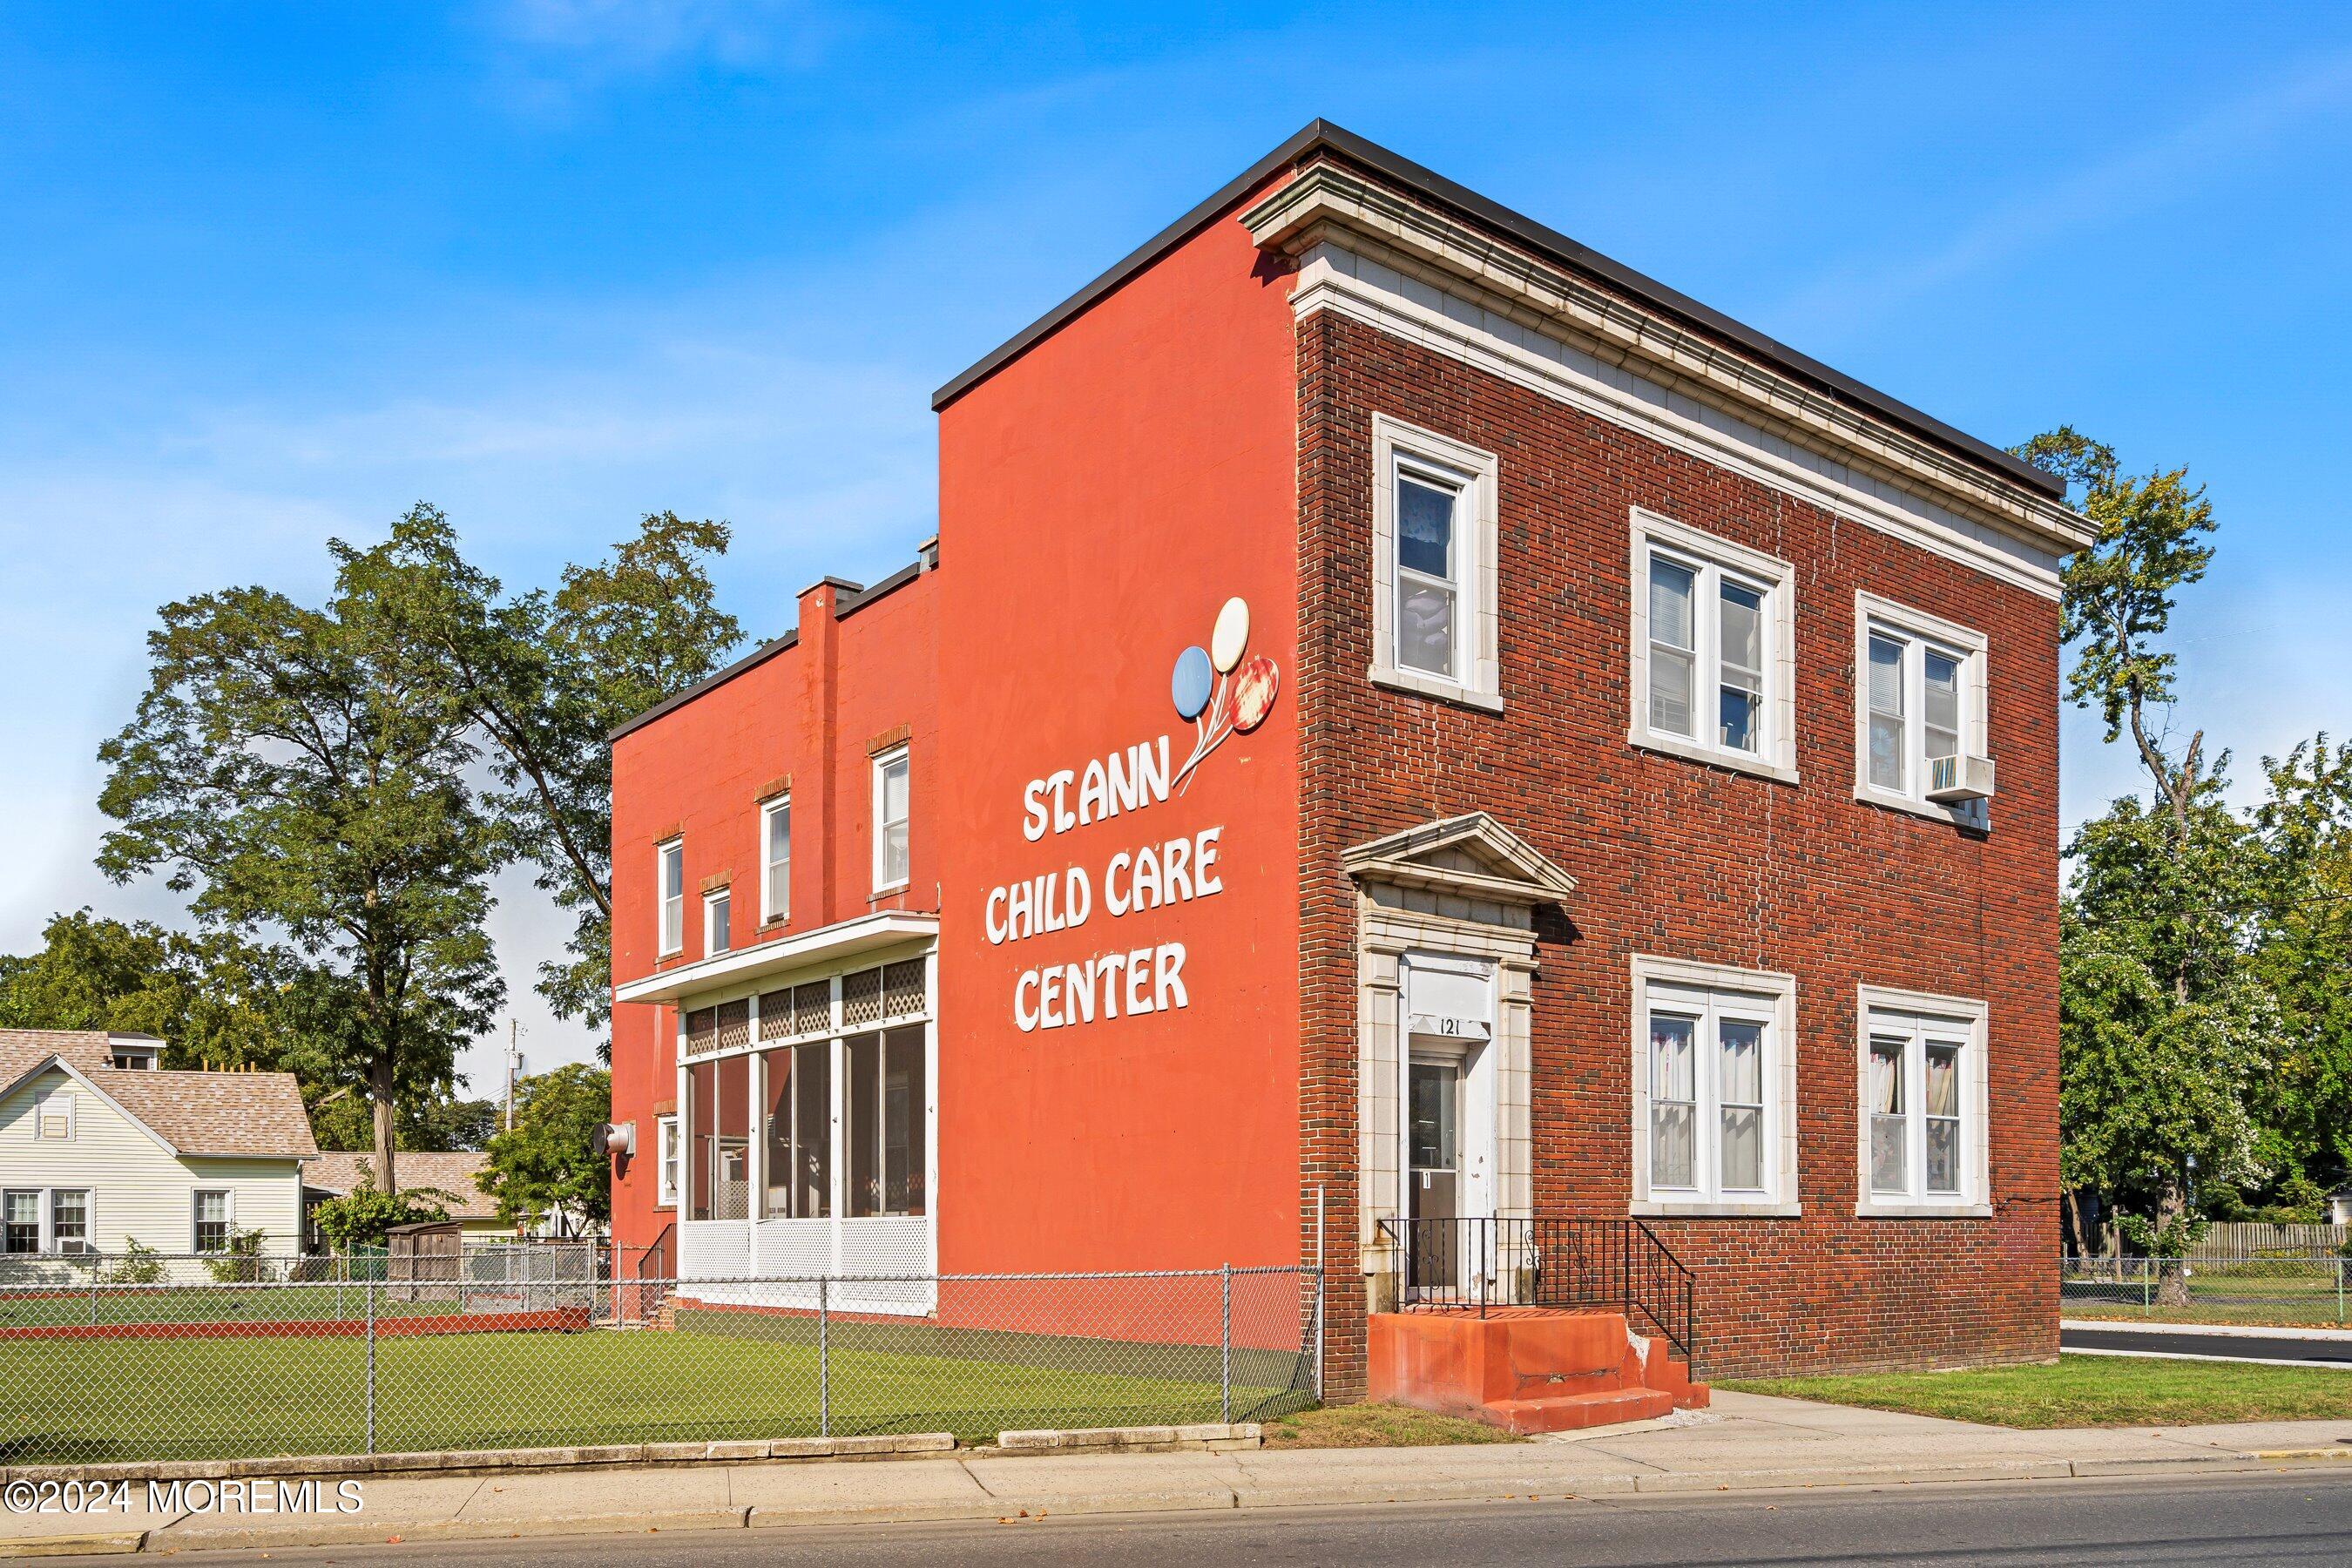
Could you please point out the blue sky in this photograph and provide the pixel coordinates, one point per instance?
(275, 272)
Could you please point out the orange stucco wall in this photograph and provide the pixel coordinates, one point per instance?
(1100, 498)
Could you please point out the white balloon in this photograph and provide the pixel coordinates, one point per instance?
(1225, 644)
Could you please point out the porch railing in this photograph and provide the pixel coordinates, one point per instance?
(1483, 1264)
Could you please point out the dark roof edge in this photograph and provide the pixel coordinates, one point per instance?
(1546, 242)
(844, 608)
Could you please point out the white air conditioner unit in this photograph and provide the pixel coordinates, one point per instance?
(1954, 779)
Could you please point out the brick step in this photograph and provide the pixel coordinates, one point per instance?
(1575, 1411)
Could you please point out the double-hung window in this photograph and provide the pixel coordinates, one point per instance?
(666, 1162)
(776, 859)
(718, 909)
(69, 1219)
(1920, 704)
(892, 862)
(1713, 650)
(1436, 543)
(20, 1221)
(670, 891)
(215, 1218)
(1714, 1088)
(1921, 1128)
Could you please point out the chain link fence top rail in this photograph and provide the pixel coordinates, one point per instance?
(2280, 1291)
(325, 1366)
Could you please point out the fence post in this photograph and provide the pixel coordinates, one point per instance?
(823, 1361)
(2147, 1294)
(1225, 1346)
(2339, 1293)
(370, 1366)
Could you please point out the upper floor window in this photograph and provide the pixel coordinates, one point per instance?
(1713, 650)
(1434, 592)
(891, 864)
(1714, 1088)
(776, 851)
(670, 884)
(717, 934)
(1923, 1113)
(1919, 718)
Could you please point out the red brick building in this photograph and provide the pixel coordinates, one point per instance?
(1404, 712)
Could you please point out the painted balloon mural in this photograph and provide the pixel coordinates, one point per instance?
(1219, 691)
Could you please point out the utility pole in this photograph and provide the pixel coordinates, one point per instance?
(514, 1065)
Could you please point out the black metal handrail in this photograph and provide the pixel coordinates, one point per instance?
(1463, 1265)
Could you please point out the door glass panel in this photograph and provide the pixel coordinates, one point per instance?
(1433, 1107)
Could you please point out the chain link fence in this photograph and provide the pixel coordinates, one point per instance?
(343, 1366)
(2283, 1292)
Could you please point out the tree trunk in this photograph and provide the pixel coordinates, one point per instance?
(379, 1082)
(2172, 1276)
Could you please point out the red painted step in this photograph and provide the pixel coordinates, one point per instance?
(1527, 1370)
(1575, 1411)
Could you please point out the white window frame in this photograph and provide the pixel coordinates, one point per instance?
(40, 1197)
(196, 1219)
(775, 902)
(667, 1148)
(88, 1220)
(1712, 559)
(1476, 680)
(41, 1109)
(883, 760)
(670, 910)
(1913, 628)
(718, 934)
(1765, 995)
(1917, 1014)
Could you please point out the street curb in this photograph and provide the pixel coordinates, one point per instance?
(75, 1545)
(287, 1533)
(2218, 1331)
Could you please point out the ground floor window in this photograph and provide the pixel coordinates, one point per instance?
(1714, 1086)
(666, 1162)
(720, 1105)
(20, 1222)
(1922, 1122)
(214, 1217)
(69, 1220)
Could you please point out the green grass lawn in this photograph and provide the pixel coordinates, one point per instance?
(1378, 1427)
(87, 1400)
(2087, 1391)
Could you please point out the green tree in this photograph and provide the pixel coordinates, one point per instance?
(212, 998)
(549, 1164)
(288, 768)
(543, 679)
(365, 1216)
(2303, 958)
(2164, 1031)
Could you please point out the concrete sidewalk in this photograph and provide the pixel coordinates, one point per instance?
(1746, 1441)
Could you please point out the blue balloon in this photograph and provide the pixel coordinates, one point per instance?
(1193, 678)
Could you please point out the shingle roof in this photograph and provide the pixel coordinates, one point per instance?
(194, 1113)
(339, 1172)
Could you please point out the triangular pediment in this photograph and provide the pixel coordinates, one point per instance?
(1472, 855)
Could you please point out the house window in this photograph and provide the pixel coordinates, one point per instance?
(719, 1115)
(1923, 1112)
(796, 1102)
(1434, 532)
(666, 1162)
(670, 876)
(716, 933)
(53, 1118)
(776, 875)
(215, 1214)
(1714, 1088)
(891, 864)
(1920, 698)
(69, 1220)
(1713, 649)
(20, 1222)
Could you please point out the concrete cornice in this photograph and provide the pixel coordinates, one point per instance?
(1331, 202)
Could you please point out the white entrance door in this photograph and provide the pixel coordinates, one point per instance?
(1449, 1126)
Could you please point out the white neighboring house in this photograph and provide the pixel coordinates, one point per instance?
(101, 1147)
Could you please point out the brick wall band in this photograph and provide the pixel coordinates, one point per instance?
(1678, 858)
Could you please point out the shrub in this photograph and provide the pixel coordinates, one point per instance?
(141, 1264)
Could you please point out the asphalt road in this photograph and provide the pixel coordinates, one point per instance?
(2189, 1342)
(2296, 1518)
